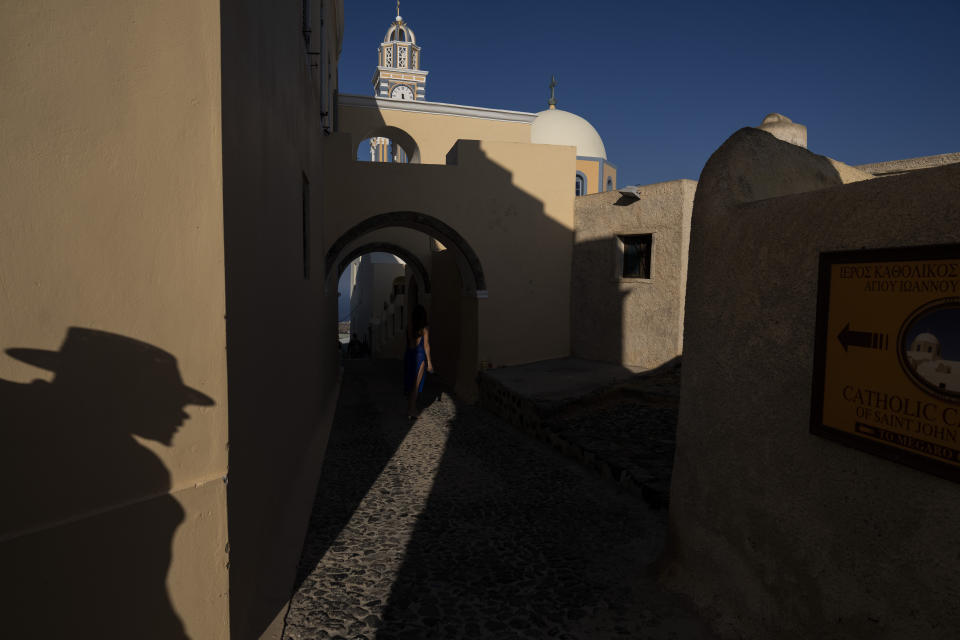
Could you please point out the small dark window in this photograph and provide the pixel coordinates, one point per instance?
(307, 23)
(581, 186)
(636, 255)
(609, 184)
(305, 213)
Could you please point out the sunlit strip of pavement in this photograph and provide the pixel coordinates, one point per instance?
(463, 528)
(346, 592)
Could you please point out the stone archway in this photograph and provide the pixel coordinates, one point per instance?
(388, 247)
(452, 284)
(467, 258)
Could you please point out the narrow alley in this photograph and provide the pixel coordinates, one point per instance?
(457, 526)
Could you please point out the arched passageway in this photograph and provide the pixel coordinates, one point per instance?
(445, 276)
(468, 260)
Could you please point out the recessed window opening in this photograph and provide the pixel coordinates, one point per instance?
(609, 184)
(636, 252)
(581, 186)
(306, 20)
(305, 229)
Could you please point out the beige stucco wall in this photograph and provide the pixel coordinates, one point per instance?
(630, 321)
(151, 188)
(777, 532)
(283, 358)
(434, 134)
(591, 169)
(453, 327)
(511, 203)
(111, 219)
(609, 172)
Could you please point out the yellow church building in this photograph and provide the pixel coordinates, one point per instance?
(399, 76)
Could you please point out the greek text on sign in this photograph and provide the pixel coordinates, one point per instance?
(887, 370)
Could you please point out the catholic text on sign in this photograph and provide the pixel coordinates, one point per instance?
(887, 357)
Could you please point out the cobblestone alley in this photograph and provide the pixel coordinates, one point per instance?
(457, 526)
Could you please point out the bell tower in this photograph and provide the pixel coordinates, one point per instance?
(398, 74)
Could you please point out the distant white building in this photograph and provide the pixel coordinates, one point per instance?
(373, 286)
(348, 281)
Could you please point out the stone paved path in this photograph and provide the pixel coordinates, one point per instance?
(457, 526)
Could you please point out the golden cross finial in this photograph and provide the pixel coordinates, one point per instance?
(398, 8)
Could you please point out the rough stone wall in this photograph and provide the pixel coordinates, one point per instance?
(896, 167)
(630, 321)
(779, 533)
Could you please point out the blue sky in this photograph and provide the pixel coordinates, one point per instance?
(665, 83)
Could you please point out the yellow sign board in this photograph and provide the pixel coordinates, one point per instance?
(887, 368)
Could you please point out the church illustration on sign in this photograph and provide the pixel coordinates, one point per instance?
(925, 357)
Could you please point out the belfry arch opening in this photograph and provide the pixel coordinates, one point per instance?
(429, 264)
(388, 144)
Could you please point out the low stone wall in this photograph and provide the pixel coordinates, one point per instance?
(636, 459)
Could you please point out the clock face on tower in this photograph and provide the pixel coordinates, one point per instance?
(402, 92)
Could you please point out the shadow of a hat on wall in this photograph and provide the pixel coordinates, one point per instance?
(89, 520)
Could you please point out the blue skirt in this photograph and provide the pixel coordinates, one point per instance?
(413, 359)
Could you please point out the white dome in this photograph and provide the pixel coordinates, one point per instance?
(926, 338)
(554, 126)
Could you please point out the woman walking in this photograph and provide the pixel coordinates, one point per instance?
(416, 356)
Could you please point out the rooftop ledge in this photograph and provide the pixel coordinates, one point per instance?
(438, 108)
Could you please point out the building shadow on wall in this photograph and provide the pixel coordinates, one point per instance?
(600, 300)
(87, 519)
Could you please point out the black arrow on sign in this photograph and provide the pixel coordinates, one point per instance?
(863, 339)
